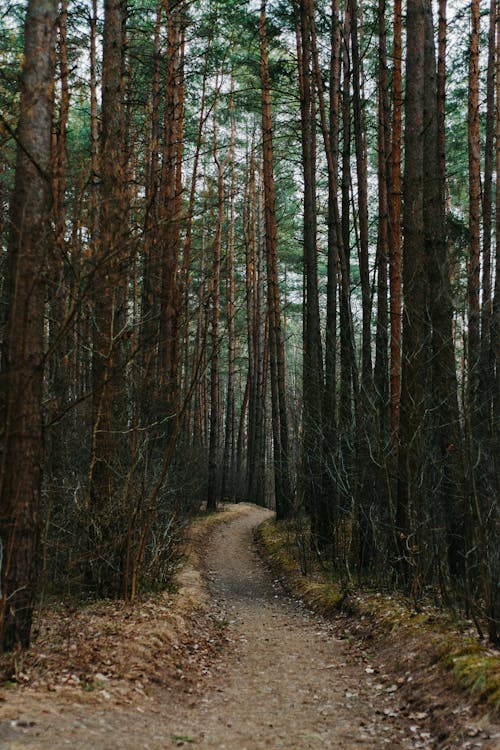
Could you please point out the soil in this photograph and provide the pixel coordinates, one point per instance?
(249, 668)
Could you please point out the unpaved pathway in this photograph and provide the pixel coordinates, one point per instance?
(283, 679)
(289, 682)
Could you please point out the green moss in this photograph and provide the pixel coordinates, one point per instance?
(473, 665)
(475, 668)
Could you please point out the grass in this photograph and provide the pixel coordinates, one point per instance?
(474, 667)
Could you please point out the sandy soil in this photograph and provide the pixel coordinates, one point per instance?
(277, 677)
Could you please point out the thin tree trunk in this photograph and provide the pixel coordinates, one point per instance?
(347, 352)
(151, 268)
(494, 603)
(187, 245)
(255, 291)
(283, 488)
(383, 140)
(473, 281)
(94, 129)
(395, 232)
(169, 216)
(381, 368)
(362, 189)
(230, 433)
(485, 368)
(215, 405)
(334, 230)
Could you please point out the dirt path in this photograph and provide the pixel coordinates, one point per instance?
(283, 679)
(288, 682)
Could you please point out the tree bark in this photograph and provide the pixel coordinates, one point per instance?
(313, 371)
(215, 398)
(169, 219)
(106, 531)
(22, 443)
(283, 487)
(230, 425)
(473, 280)
(410, 500)
(395, 232)
(446, 454)
(362, 190)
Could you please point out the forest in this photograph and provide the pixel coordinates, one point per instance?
(249, 252)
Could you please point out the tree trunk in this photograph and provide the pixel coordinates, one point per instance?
(215, 399)
(446, 453)
(410, 500)
(313, 376)
(486, 376)
(381, 432)
(347, 350)
(22, 443)
(255, 291)
(395, 233)
(362, 190)
(169, 218)
(473, 335)
(383, 140)
(283, 488)
(494, 562)
(106, 531)
(330, 131)
(151, 266)
(230, 432)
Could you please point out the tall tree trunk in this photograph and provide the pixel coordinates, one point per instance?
(283, 487)
(313, 376)
(347, 351)
(215, 398)
(383, 140)
(473, 334)
(199, 358)
(446, 453)
(485, 383)
(169, 216)
(106, 530)
(187, 244)
(59, 293)
(334, 229)
(441, 96)
(22, 443)
(151, 266)
(94, 130)
(381, 434)
(474, 428)
(330, 131)
(410, 500)
(494, 571)
(255, 291)
(363, 478)
(395, 231)
(362, 190)
(230, 431)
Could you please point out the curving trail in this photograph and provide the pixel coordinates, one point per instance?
(289, 682)
(282, 679)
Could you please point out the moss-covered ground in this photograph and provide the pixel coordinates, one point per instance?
(450, 643)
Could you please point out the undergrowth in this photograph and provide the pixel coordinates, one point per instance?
(474, 666)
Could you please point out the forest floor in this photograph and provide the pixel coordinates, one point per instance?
(230, 661)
